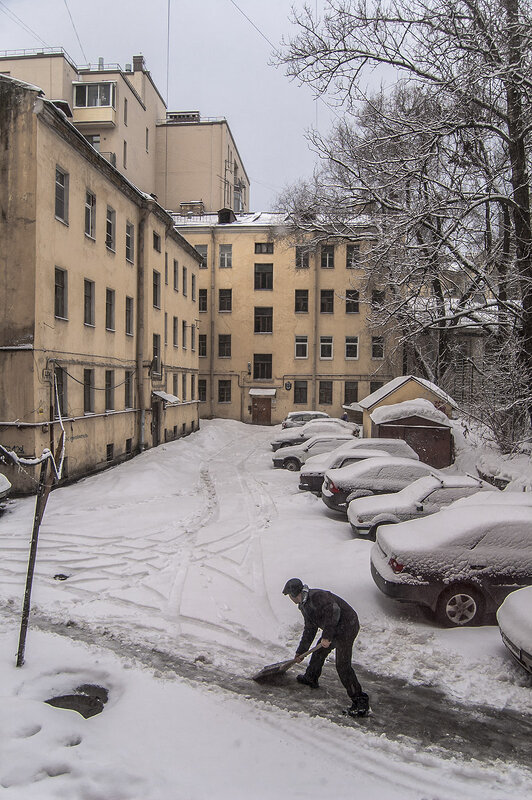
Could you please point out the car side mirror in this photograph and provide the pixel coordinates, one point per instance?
(419, 507)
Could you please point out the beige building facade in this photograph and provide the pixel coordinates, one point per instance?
(98, 301)
(282, 325)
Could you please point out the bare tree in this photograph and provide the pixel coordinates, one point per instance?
(442, 159)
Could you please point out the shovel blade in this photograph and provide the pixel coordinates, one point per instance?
(274, 669)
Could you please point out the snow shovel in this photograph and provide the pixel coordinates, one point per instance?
(281, 666)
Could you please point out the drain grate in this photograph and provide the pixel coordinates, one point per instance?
(88, 700)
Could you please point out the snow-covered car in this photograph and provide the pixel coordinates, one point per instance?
(292, 458)
(378, 476)
(311, 475)
(427, 495)
(297, 418)
(5, 487)
(293, 436)
(460, 563)
(499, 498)
(515, 624)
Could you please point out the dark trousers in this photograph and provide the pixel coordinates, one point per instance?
(344, 668)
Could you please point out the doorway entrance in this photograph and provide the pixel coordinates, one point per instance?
(261, 410)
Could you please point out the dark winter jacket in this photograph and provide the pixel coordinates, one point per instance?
(323, 609)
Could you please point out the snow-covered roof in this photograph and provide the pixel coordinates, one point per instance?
(515, 619)
(169, 399)
(262, 392)
(242, 220)
(375, 397)
(410, 408)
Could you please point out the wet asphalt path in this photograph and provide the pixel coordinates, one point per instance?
(399, 710)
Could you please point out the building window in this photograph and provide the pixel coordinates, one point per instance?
(351, 301)
(60, 396)
(302, 257)
(226, 256)
(327, 256)
(263, 319)
(202, 390)
(124, 154)
(128, 389)
(301, 347)
(109, 309)
(175, 331)
(129, 443)
(156, 289)
(193, 287)
(378, 297)
(325, 393)
(109, 389)
(175, 389)
(352, 256)
(129, 316)
(184, 280)
(94, 140)
(90, 214)
(374, 385)
(88, 391)
(202, 345)
(183, 387)
(192, 388)
(202, 300)
(224, 391)
(225, 299)
(88, 302)
(166, 269)
(224, 345)
(350, 392)
(351, 347)
(156, 241)
(262, 366)
(60, 293)
(263, 276)
(109, 452)
(300, 392)
(88, 95)
(301, 301)
(193, 337)
(130, 241)
(165, 328)
(156, 362)
(326, 347)
(147, 140)
(327, 301)
(61, 194)
(110, 229)
(125, 111)
(184, 334)
(377, 347)
(202, 250)
(176, 275)
(263, 248)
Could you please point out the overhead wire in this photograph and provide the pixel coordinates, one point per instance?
(18, 21)
(75, 31)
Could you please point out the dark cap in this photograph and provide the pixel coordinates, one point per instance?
(293, 587)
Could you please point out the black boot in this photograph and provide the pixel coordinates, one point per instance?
(312, 682)
(359, 706)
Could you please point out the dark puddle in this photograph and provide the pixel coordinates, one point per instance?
(88, 700)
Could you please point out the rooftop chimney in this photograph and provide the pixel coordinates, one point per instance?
(100, 63)
(138, 63)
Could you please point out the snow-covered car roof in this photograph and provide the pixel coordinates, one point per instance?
(353, 471)
(5, 485)
(515, 618)
(416, 491)
(506, 498)
(311, 429)
(441, 530)
(301, 413)
(324, 460)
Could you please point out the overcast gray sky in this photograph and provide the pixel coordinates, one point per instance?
(218, 65)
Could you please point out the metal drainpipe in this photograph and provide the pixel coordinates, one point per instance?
(211, 332)
(140, 327)
(316, 318)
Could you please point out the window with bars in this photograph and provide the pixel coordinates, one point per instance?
(300, 392)
(263, 319)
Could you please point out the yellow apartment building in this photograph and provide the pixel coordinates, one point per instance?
(282, 325)
(99, 299)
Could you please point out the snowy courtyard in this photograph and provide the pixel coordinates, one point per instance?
(161, 580)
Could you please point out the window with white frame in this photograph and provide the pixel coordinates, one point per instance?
(326, 347)
(327, 256)
(203, 251)
(130, 241)
(226, 256)
(301, 348)
(90, 214)
(110, 229)
(90, 95)
(351, 347)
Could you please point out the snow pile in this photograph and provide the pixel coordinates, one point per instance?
(515, 618)
(409, 408)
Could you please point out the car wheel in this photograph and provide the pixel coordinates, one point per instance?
(459, 606)
(292, 464)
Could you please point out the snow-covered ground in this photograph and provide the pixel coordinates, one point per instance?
(184, 550)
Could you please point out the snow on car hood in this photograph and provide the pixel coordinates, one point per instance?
(324, 461)
(312, 429)
(506, 498)
(515, 618)
(354, 474)
(5, 485)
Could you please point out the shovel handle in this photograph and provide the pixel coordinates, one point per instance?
(312, 650)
